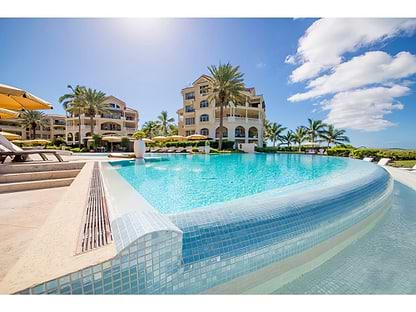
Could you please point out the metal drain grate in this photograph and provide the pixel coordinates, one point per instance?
(96, 231)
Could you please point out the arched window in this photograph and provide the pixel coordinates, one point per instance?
(204, 118)
(204, 131)
(203, 104)
(224, 132)
(76, 136)
(253, 132)
(240, 132)
(110, 126)
(70, 136)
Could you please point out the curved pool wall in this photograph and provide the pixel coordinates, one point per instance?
(204, 249)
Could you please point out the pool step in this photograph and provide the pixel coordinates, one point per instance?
(39, 167)
(34, 185)
(38, 175)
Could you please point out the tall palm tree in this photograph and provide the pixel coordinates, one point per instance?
(165, 122)
(33, 119)
(95, 105)
(334, 136)
(274, 132)
(227, 86)
(151, 129)
(315, 129)
(300, 136)
(74, 102)
(288, 138)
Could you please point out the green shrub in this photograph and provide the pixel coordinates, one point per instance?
(58, 142)
(78, 150)
(339, 151)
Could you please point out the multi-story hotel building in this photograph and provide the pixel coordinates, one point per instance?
(54, 127)
(120, 120)
(242, 123)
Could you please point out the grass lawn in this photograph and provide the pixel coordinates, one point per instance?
(403, 163)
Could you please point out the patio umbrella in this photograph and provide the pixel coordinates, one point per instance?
(10, 136)
(176, 138)
(160, 138)
(8, 114)
(111, 139)
(196, 137)
(18, 99)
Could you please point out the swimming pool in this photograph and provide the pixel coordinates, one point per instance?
(264, 221)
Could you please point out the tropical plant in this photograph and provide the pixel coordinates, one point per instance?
(32, 120)
(95, 105)
(227, 86)
(274, 131)
(138, 135)
(300, 136)
(97, 140)
(288, 138)
(165, 122)
(151, 129)
(174, 130)
(334, 136)
(74, 102)
(315, 129)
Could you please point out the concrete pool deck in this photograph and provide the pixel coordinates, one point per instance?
(51, 233)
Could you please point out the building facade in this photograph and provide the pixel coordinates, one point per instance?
(120, 120)
(54, 127)
(242, 123)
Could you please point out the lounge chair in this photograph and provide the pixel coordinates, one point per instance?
(201, 149)
(8, 149)
(147, 149)
(413, 169)
(383, 161)
(369, 159)
(188, 149)
(155, 150)
(163, 150)
(171, 150)
(180, 150)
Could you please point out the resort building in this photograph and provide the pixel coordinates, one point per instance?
(242, 123)
(54, 128)
(120, 120)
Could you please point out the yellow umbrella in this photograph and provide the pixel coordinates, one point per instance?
(110, 138)
(10, 136)
(146, 140)
(160, 138)
(18, 99)
(8, 114)
(176, 138)
(40, 141)
(196, 137)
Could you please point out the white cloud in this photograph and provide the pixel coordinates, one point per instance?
(364, 109)
(327, 40)
(375, 67)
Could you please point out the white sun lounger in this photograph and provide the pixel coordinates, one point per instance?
(383, 161)
(369, 159)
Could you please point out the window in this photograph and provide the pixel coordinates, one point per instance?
(190, 96)
(189, 109)
(240, 132)
(190, 121)
(203, 104)
(224, 132)
(204, 118)
(204, 131)
(189, 132)
(112, 105)
(203, 90)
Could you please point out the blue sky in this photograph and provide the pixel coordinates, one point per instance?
(147, 62)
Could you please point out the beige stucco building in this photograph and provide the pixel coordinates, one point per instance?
(54, 127)
(120, 120)
(243, 123)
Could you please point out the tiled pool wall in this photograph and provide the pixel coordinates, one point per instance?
(193, 252)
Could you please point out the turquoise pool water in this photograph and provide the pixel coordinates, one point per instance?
(179, 183)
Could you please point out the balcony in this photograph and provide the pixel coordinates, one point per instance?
(129, 129)
(247, 120)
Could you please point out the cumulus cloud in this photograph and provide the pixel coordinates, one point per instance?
(364, 109)
(375, 67)
(327, 40)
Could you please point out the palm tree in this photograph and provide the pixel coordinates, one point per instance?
(165, 123)
(74, 102)
(334, 136)
(151, 129)
(94, 101)
(315, 129)
(300, 136)
(288, 138)
(33, 119)
(274, 132)
(227, 86)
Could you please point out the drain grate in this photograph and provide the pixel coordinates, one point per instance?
(96, 230)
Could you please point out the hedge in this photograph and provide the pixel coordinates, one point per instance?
(372, 152)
